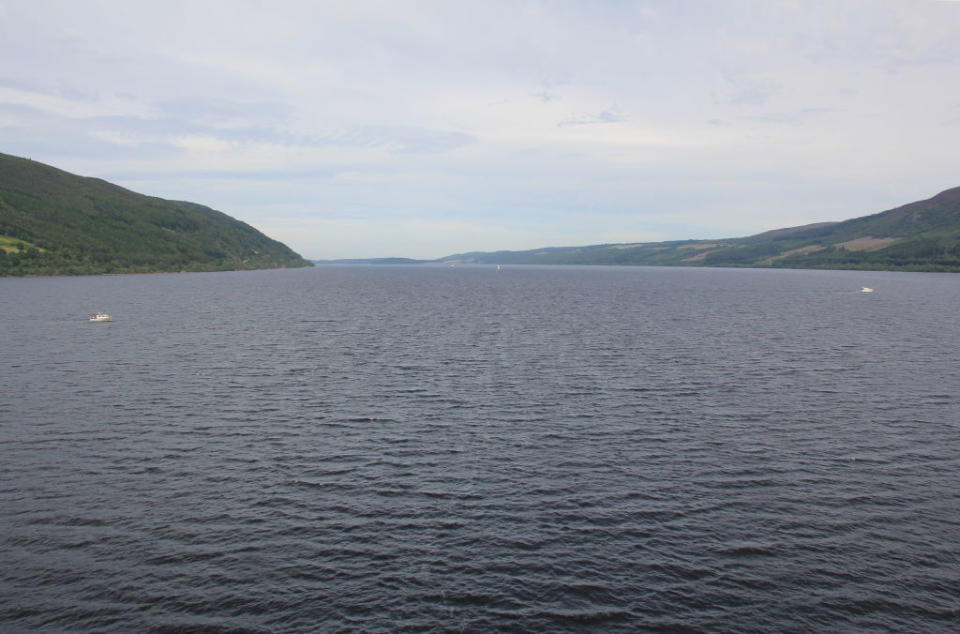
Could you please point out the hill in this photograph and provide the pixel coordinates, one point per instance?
(920, 236)
(56, 223)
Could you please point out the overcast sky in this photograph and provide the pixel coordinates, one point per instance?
(420, 129)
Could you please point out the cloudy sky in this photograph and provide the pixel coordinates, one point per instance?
(420, 129)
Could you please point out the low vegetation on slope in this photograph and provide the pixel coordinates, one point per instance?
(53, 222)
(920, 236)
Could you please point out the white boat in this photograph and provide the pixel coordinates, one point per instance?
(101, 317)
(866, 289)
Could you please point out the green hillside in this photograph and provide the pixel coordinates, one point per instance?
(920, 236)
(56, 223)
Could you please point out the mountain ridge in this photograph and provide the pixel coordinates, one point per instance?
(920, 236)
(53, 222)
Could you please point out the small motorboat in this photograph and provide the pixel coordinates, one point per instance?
(866, 289)
(100, 317)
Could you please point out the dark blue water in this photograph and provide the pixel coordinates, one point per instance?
(445, 449)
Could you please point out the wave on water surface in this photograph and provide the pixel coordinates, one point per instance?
(543, 449)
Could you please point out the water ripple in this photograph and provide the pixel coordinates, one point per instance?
(435, 450)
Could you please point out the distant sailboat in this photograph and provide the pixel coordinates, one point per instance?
(499, 268)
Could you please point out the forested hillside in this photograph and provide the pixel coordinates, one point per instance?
(920, 236)
(56, 223)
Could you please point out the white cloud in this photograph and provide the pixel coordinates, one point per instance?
(71, 107)
(611, 115)
(202, 143)
(503, 125)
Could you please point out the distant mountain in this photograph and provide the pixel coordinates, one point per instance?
(372, 261)
(56, 223)
(920, 236)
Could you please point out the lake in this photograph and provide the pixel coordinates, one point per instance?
(429, 448)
